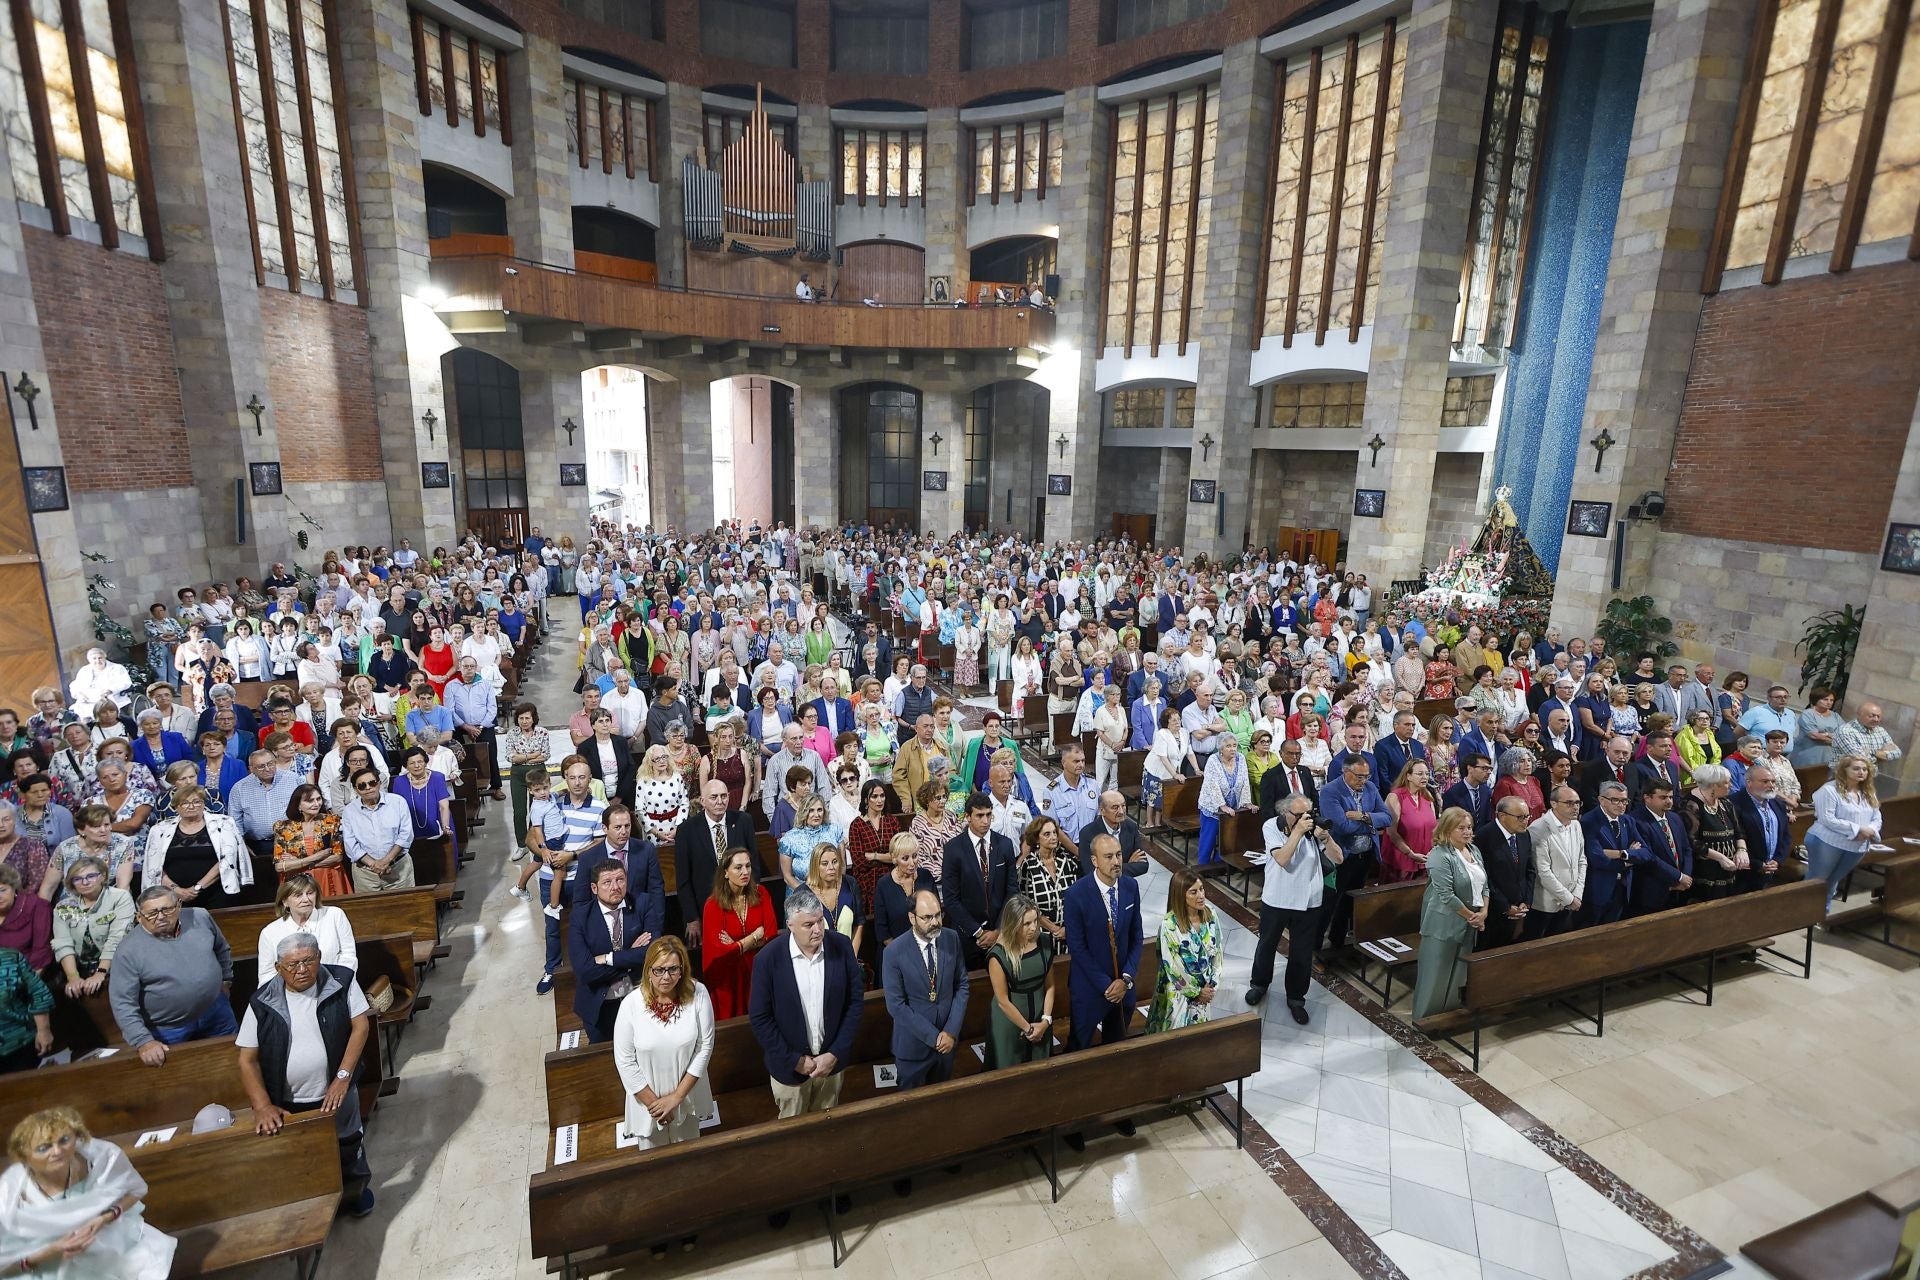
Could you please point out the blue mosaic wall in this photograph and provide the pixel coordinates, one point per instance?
(1572, 238)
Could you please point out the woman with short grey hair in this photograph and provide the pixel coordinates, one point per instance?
(1719, 848)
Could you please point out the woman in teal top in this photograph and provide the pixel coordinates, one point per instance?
(1191, 956)
(1452, 913)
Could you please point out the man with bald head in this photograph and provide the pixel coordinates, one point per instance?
(1865, 736)
(1112, 821)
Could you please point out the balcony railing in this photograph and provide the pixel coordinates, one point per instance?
(496, 282)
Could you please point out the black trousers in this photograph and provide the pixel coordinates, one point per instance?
(348, 1128)
(1302, 927)
(1337, 911)
(1500, 931)
(601, 1029)
(1546, 924)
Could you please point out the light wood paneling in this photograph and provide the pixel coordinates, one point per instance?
(893, 273)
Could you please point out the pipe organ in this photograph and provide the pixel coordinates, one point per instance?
(753, 201)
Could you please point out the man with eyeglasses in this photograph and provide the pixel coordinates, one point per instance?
(300, 1046)
(1615, 844)
(377, 830)
(171, 977)
(1506, 851)
(1559, 866)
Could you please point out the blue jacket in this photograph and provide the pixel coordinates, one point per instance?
(1460, 796)
(1389, 758)
(779, 1023)
(646, 889)
(1086, 921)
(1336, 799)
(1666, 861)
(917, 1020)
(841, 709)
(1604, 874)
(587, 938)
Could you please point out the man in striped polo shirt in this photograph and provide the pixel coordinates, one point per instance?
(573, 823)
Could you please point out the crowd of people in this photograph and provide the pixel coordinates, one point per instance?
(721, 695)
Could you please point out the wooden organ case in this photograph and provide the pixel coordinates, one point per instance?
(752, 225)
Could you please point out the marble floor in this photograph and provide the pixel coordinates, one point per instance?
(1785, 1095)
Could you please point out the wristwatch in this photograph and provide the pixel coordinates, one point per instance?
(343, 1074)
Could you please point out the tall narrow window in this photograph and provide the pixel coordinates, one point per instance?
(882, 165)
(72, 115)
(293, 142)
(1016, 161)
(1162, 191)
(460, 78)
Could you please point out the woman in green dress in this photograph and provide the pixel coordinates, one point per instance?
(1191, 956)
(1020, 1023)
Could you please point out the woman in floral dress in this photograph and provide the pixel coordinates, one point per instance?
(1191, 957)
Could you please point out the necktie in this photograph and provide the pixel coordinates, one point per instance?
(933, 975)
(1619, 774)
(1113, 939)
(719, 839)
(983, 860)
(1293, 783)
(619, 938)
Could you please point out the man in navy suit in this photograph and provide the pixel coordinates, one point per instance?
(805, 1028)
(1765, 825)
(835, 712)
(638, 858)
(607, 945)
(1104, 936)
(1654, 767)
(1668, 873)
(1474, 791)
(1288, 778)
(1170, 607)
(976, 875)
(1391, 753)
(1355, 738)
(1616, 846)
(926, 986)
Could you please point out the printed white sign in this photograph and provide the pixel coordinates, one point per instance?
(570, 1039)
(885, 1075)
(566, 1144)
(156, 1135)
(712, 1121)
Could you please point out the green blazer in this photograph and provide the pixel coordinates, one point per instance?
(1447, 890)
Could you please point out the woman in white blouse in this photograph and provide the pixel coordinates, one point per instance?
(317, 667)
(1111, 732)
(662, 1042)
(1846, 820)
(1029, 677)
(1170, 757)
(485, 647)
(247, 653)
(302, 911)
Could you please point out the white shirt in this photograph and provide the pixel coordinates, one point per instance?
(622, 985)
(810, 977)
(1296, 886)
(1011, 818)
(629, 710)
(330, 928)
(307, 1074)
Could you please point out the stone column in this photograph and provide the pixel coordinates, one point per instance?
(1067, 372)
(680, 121)
(943, 511)
(814, 151)
(540, 210)
(550, 396)
(1886, 666)
(407, 337)
(1171, 525)
(948, 173)
(1226, 321)
(680, 452)
(1682, 128)
(55, 537)
(816, 458)
(213, 301)
(1449, 56)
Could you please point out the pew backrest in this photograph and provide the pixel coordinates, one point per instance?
(1388, 910)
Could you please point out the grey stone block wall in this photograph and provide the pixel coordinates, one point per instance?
(1887, 668)
(540, 210)
(816, 458)
(1074, 406)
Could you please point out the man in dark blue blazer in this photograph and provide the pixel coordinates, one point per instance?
(1668, 872)
(974, 887)
(805, 1070)
(1616, 848)
(1765, 825)
(926, 996)
(1288, 778)
(836, 715)
(1474, 791)
(607, 940)
(1391, 753)
(1654, 767)
(1169, 607)
(1104, 935)
(639, 858)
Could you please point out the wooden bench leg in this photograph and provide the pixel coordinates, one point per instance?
(307, 1265)
(833, 1230)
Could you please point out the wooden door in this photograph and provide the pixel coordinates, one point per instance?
(499, 526)
(1139, 528)
(29, 655)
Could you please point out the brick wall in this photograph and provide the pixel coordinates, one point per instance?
(321, 388)
(1797, 409)
(109, 351)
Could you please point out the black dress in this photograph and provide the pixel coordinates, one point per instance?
(1710, 828)
(191, 859)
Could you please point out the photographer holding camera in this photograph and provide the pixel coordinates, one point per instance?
(1297, 856)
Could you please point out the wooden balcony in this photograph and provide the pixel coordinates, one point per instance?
(480, 284)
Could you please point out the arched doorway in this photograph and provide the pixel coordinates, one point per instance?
(753, 420)
(880, 453)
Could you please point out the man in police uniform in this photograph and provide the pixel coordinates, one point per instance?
(1073, 800)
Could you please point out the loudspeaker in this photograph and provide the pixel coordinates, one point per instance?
(240, 512)
(1052, 285)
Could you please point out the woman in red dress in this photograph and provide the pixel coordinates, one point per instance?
(1516, 779)
(869, 836)
(737, 922)
(438, 660)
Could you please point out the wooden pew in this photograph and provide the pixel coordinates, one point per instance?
(1897, 901)
(1128, 768)
(1385, 912)
(1858, 1239)
(1238, 835)
(595, 1207)
(1180, 812)
(434, 864)
(1506, 977)
(584, 1088)
(121, 1097)
(409, 911)
(233, 1197)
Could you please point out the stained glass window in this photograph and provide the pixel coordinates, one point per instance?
(883, 164)
(1330, 239)
(1029, 160)
(1162, 191)
(62, 83)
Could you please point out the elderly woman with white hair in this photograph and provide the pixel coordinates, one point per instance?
(1713, 829)
(99, 679)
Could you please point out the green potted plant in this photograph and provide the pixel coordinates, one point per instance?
(1827, 646)
(1635, 626)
